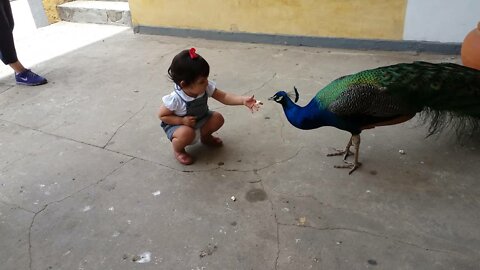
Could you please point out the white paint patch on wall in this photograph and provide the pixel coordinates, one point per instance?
(440, 20)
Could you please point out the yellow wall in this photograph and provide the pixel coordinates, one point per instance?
(50, 7)
(375, 19)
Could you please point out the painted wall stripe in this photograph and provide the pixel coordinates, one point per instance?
(343, 43)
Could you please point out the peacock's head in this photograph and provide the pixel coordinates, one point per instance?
(281, 96)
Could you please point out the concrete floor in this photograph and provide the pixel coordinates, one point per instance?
(88, 179)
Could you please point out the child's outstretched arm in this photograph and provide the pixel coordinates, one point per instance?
(233, 99)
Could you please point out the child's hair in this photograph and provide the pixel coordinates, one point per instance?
(188, 66)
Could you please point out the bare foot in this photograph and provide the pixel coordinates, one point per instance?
(183, 157)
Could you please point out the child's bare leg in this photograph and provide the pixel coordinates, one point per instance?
(214, 123)
(182, 137)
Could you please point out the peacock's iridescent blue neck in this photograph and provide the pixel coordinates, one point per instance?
(313, 115)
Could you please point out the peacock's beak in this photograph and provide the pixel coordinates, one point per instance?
(271, 98)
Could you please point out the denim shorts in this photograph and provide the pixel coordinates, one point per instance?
(170, 129)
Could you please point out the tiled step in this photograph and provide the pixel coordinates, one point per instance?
(100, 12)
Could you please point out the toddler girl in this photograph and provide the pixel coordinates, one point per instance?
(185, 112)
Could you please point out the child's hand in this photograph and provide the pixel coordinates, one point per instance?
(252, 103)
(189, 121)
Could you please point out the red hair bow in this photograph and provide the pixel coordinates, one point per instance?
(193, 54)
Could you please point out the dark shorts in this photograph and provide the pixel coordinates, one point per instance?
(170, 129)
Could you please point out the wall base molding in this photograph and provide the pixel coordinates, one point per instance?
(341, 43)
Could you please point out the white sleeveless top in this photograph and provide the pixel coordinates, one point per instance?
(174, 103)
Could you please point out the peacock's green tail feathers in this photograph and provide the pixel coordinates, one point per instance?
(464, 127)
(420, 84)
(443, 87)
(448, 95)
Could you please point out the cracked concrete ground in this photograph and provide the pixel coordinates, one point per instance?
(88, 179)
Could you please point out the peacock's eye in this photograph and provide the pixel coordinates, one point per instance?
(278, 98)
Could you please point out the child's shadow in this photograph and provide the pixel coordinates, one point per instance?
(208, 155)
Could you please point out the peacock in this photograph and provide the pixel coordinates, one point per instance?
(445, 95)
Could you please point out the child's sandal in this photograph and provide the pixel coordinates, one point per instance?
(184, 158)
(212, 141)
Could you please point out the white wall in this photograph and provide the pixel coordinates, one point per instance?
(440, 20)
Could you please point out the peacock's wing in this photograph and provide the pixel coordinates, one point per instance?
(369, 100)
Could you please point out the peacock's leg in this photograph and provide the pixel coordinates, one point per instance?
(345, 152)
(355, 140)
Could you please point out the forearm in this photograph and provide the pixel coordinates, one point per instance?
(169, 117)
(228, 98)
(232, 99)
(172, 119)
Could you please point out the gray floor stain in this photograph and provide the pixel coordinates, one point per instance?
(256, 195)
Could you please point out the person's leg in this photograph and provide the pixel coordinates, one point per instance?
(8, 13)
(7, 46)
(17, 67)
(214, 123)
(8, 54)
(182, 137)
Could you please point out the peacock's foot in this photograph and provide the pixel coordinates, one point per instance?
(349, 165)
(340, 153)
